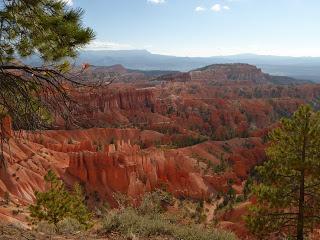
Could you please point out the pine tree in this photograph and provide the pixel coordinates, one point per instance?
(57, 203)
(54, 32)
(46, 27)
(288, 194)
(79, 211)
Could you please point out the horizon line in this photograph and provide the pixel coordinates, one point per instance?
(209, 56)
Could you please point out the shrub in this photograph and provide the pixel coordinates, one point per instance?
(240, 199)
(46, 227)
(226, 147)
(192, 211)
(186, 141)
(110, 223)
(230, 197)
(155, 202)
(123, 201)
(69, 226)
(223, 166)
(128, 222)
(102, 210)
(99, 148)
(195, 232)
(16, 211)
(6, 198)
(200, 215)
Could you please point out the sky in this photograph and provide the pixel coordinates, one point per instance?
(205, 27)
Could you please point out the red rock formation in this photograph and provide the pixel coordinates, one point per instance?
(125, 168)
(107, 107)
(106, 161)
(221, 103)
(239, 100)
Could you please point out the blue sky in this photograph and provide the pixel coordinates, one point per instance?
(206, 27)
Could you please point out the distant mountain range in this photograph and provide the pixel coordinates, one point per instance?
(306, 68)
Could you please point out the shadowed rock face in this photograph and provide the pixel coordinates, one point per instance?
(105, 107)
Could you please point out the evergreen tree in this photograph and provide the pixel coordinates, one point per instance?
(79, 210)
(54, 32)
(45, 27)
(57, 203)
(288, 194)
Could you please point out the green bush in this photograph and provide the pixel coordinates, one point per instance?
(64, 227)
(222, 167)
(195, 232)
(46, 228)
(69, 226)
(155, 202)
(128, 222)
(110, 223)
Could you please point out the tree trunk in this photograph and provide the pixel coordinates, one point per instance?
(300, 224)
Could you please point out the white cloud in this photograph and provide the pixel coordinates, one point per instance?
(200, 9)
(69, 2)
(216, 7)
(106, 45)
(156, 1)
